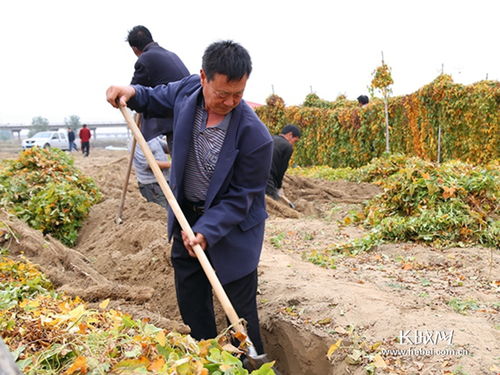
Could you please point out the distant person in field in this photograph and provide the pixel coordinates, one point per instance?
(154, 66)
(71, 140)
(282, 152)
(85, 136)
(148, 186)
(363, 100)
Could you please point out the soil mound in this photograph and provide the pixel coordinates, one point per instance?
(315, 197)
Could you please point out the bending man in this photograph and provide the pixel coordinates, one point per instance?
(282, 152)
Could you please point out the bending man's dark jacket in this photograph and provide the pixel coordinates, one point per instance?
(282, 151)
(156, 66)
(233, 222)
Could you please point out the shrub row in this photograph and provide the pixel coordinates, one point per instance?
(43, 188)
(342, 134)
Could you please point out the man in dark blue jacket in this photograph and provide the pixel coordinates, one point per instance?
(220, 164)
(154, 66)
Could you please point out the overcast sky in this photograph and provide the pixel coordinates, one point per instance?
(58, 57)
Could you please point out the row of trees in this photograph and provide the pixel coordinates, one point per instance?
(40, 123)
(381, 82)
(442, 120)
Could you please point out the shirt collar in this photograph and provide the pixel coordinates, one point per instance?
(224, 124)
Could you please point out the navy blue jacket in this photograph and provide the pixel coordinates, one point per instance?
(235, 212)
(156, 66)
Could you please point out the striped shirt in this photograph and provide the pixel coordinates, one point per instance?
(206, 143)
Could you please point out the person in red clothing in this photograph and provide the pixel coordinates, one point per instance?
(85, 139)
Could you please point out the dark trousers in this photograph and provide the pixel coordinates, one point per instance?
(85, 148)
(194, 294)
(72, 146)
(271, 189)
(153, 193)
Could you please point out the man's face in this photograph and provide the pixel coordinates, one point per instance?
(294, 140)
(222, 96)
(291, 138)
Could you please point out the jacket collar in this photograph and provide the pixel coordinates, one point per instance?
(149, 45)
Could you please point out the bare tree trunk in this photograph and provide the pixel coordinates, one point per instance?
(7, 364)
(439, 144)
(387, 146)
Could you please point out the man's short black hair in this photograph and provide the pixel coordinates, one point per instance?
(363, 99)
(293, 129)
(139, 37)
(228, 58)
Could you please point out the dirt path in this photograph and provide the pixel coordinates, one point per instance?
(365, 302)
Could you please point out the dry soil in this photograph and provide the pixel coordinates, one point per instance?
(443, 303)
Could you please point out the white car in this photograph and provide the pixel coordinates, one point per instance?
(47, 139)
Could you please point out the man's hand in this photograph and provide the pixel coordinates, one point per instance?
(118, 96)
(190, 244)
(163, 164)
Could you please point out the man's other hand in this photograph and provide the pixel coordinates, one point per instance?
(199, 239)
(118, 96)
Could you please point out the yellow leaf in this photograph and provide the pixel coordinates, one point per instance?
(48, 321)
(225, 367)
(448, 192)
(77, 312)
(240, 336)
(354, 358)
(157, 364)
(104, 304)
(407, 266)
(82, 328)
(324, 321)
(231, 348)
(73, 315)
(33, 304)
(333, 348)
(378, 361)
(80, 365)
(204, 345)
(132, 363)
(161, 338)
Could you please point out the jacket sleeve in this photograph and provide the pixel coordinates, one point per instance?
(141, 75)
(155, 102)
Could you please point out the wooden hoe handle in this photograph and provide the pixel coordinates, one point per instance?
(127, 175)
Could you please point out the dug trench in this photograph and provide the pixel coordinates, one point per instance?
(361, 306)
